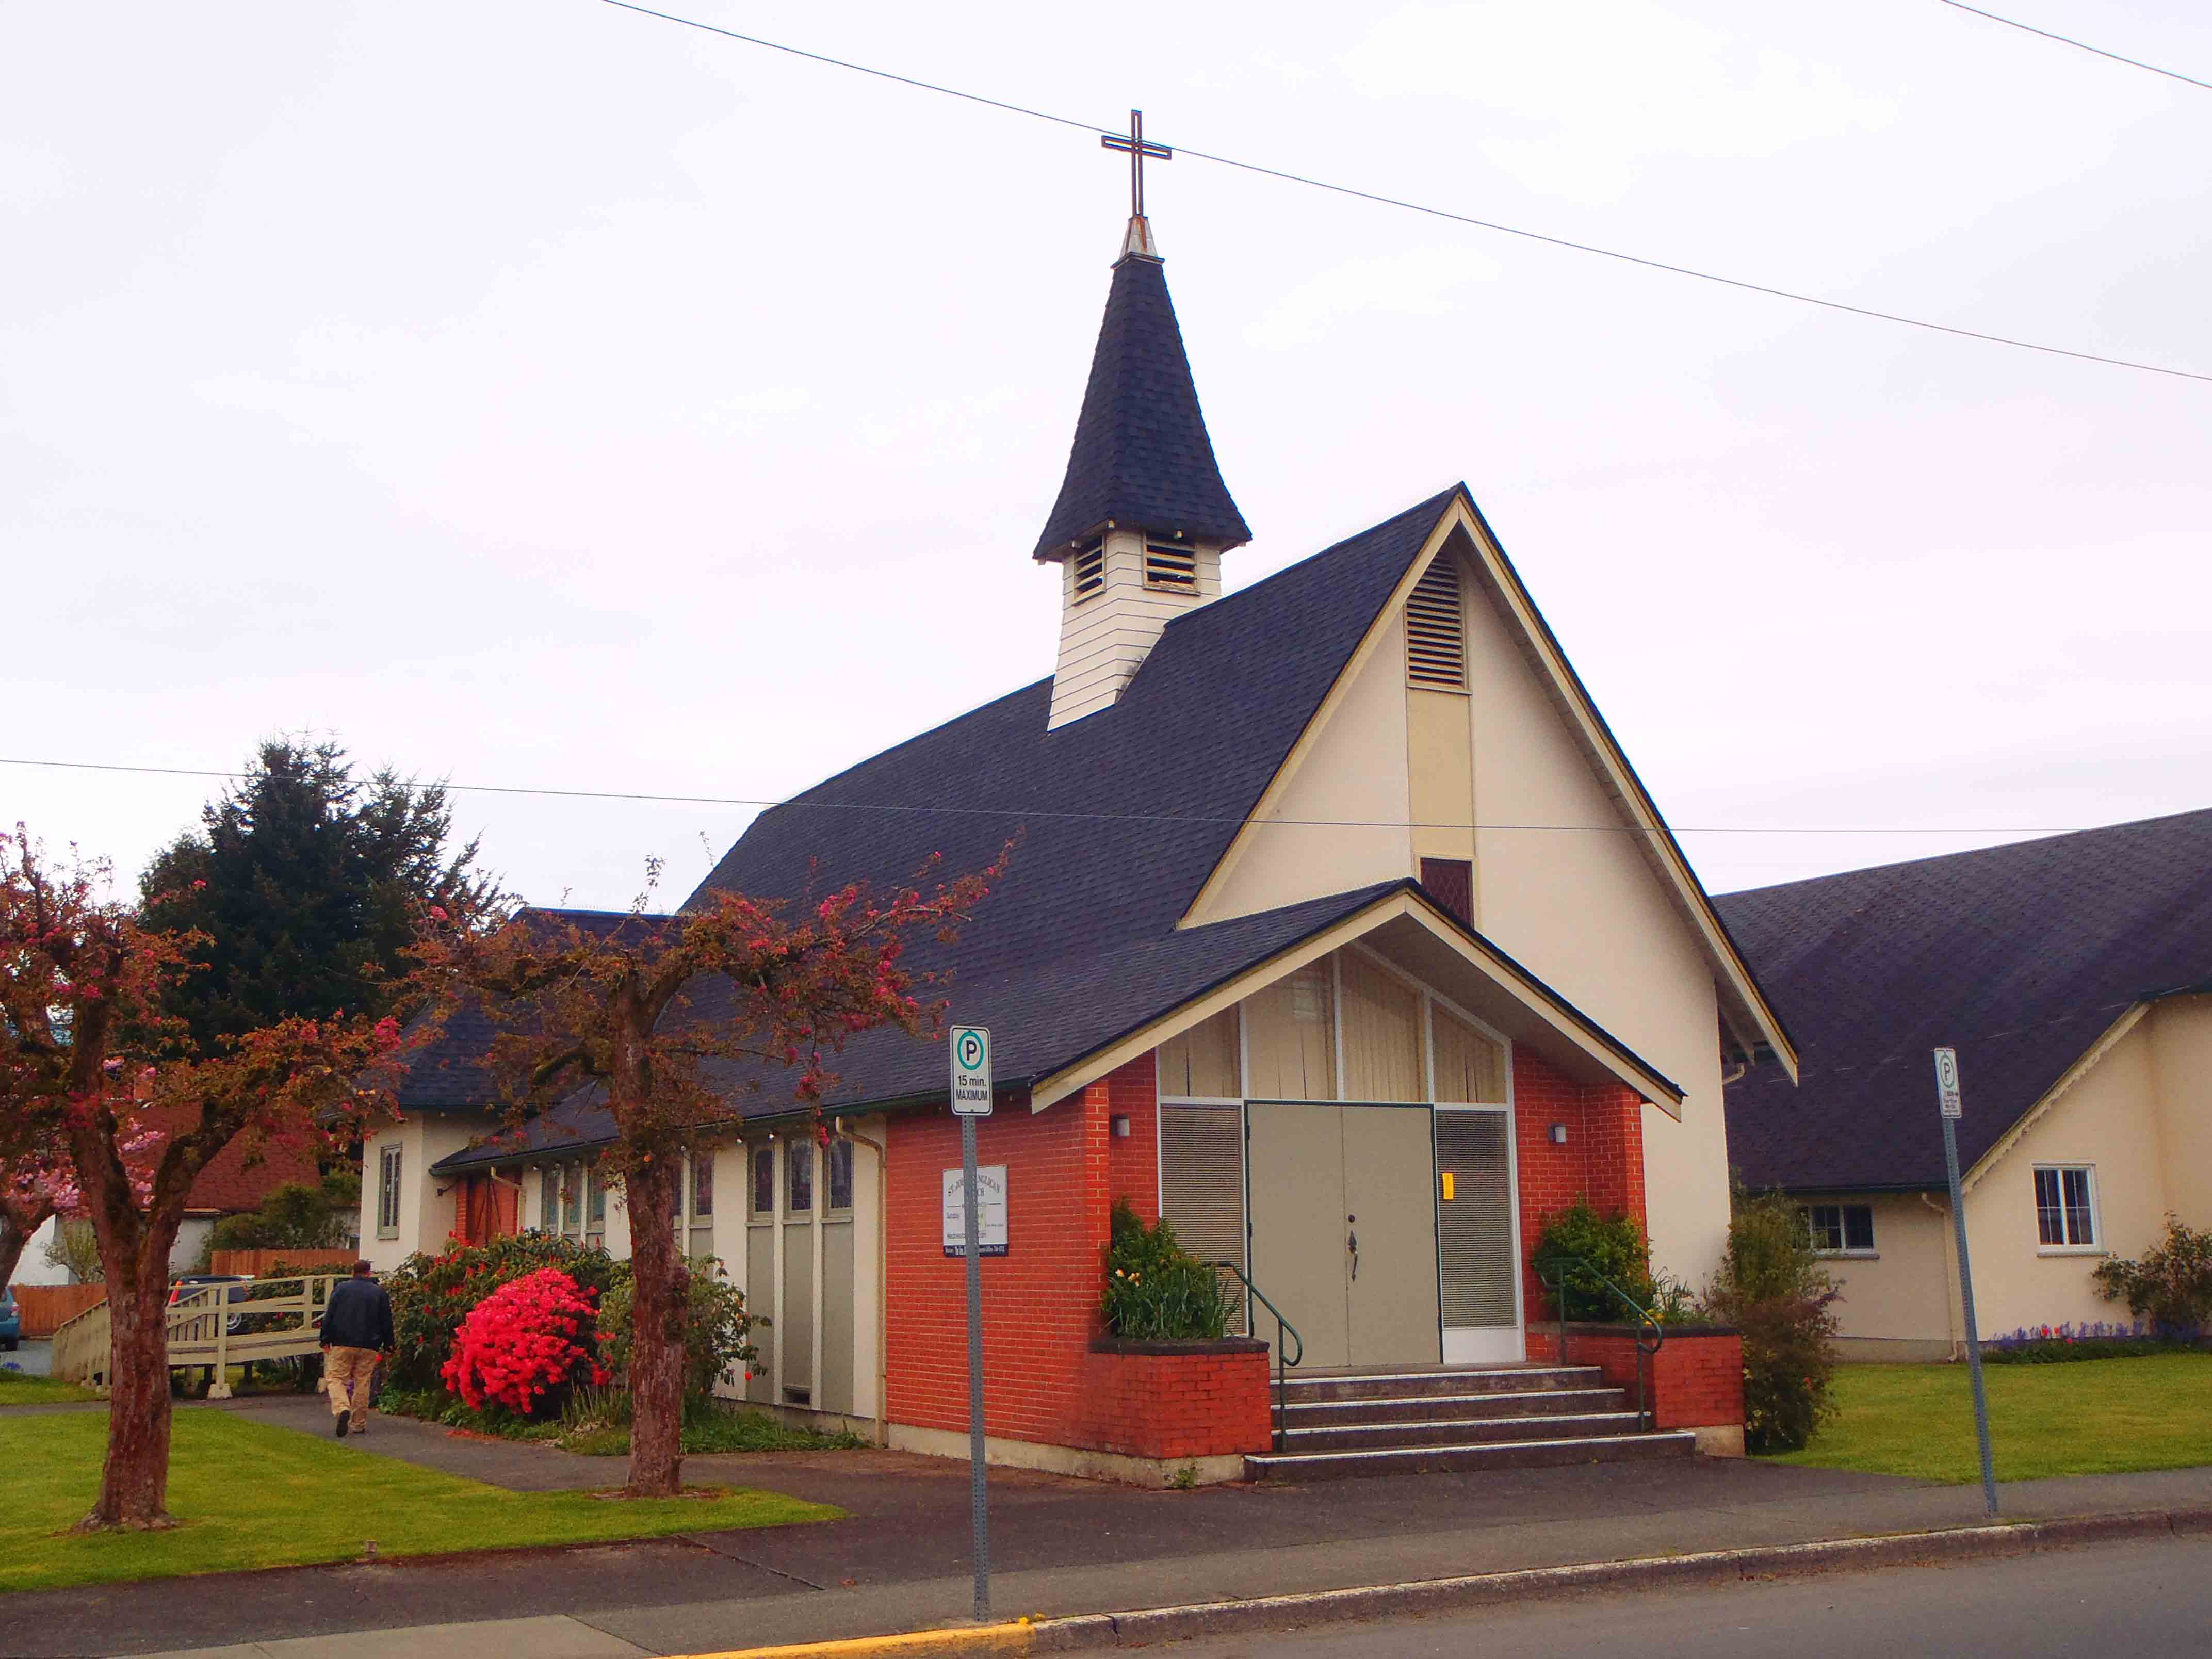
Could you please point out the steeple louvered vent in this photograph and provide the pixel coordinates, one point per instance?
(1436, 630)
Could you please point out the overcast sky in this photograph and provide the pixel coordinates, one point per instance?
(541, 394)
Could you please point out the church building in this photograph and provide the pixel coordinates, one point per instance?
(1340, 933)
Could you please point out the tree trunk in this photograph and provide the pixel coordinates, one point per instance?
(13, 1239)
(660, 1292)
(134, 1483)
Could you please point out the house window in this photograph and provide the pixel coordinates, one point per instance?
(1840, 1229)
(572, 1200)
(1170, 566)
(2066, 1206)
(841, 1175)
(799, 1155)
(595, 1209)
(1090, 570)
(387, 1193)
(549, 1201)
(1451, 882)
(694, 1218)
(1436, 629)
(764, 1194)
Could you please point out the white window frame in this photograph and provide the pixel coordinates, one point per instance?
(390, 1168)
(688, 1217)
(1847, 1251)
(2095, 1246)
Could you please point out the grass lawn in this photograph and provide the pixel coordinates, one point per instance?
(250, 1495)
(2092, 1417)
(18, 1389)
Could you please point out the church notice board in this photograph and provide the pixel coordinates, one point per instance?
(991, 1204)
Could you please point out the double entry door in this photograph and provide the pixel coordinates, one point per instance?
(1342, 1211)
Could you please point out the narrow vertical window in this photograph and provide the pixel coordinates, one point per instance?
(841, 1175)
(595, 1209)
(387, 1193)
(763, 1181)
(549, 1201)
(799, 1155)
(702, 1240)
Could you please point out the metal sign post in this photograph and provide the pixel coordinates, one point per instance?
(1952, 1106)
(971, 1099)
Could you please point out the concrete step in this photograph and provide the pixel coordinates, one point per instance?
(1507, 1379)
(1452, 1407)
(1494, 1455)
(1364, 1437)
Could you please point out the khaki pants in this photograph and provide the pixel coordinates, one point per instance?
(346, 1374)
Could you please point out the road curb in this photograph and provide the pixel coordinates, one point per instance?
(1277, 1613)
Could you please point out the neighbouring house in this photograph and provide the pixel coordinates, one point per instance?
(2073, 975)
(1341, 933)
(236, 1182)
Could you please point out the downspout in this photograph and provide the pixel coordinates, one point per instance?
(1954, 1318)
(882, 1285)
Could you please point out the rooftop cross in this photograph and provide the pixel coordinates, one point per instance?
(1141, 149)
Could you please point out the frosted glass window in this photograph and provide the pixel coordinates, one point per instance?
(1291, 1033)
(1203, 1061)
(1381, 1033)
(1470, 1066)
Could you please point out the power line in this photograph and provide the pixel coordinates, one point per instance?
(1044, 814)
(2083, 45)
(1435, 212)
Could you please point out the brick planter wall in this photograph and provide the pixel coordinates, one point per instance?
(1602, 1164)
(1696, 1377)
(1176, 1400)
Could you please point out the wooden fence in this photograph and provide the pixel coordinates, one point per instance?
(45, 1306)
(258, 1264)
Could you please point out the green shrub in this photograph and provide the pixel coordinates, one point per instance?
(2171, 1286)
(1613, 1246)
(432, 1294)
(1774, 1290)
(716, 1326)
(1157, 1291)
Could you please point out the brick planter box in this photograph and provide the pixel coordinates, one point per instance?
(1696, 1378)
(1173, 1401)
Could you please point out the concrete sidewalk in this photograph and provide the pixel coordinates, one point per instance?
(1059, 1548)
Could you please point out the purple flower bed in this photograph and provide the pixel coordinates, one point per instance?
(2045, 1345)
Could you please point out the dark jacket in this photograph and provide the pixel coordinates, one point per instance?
(359, 1316)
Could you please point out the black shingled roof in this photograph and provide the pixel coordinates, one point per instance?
(2019, 956)
(1142, 457)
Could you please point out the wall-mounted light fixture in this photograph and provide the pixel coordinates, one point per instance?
(1559, 1134)
(1120, 1128)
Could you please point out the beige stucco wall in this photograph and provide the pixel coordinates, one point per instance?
(2108, 1118)
(1581, 908)
(1316, 838)
(1902, 1292)
(2179, 1036)
(426, 1215)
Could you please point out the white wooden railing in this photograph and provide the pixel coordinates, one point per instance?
(276, 1318)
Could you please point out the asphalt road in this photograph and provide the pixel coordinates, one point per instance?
(2142, 1600)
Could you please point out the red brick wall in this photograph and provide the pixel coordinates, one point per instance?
(1602, 1164)
(1040, 1300)
(1132, 1165)
(1200, 1405)
(1696, 1381)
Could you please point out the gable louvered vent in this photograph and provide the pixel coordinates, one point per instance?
(1436, 630)
(1170, 566)
(1091, 570)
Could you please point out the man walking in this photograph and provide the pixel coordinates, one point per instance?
(357, 1333)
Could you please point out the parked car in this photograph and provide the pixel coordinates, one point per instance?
(11, 1320)
(180, 1288)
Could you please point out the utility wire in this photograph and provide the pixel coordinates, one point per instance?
(1437, 212)
(796, 803)
(2083, 45)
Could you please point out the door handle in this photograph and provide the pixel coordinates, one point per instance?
(1351, 1244)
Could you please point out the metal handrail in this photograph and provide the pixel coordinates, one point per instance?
(1282, 1327)
(1651, 1334)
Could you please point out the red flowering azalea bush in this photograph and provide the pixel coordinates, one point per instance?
(525, 1344)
